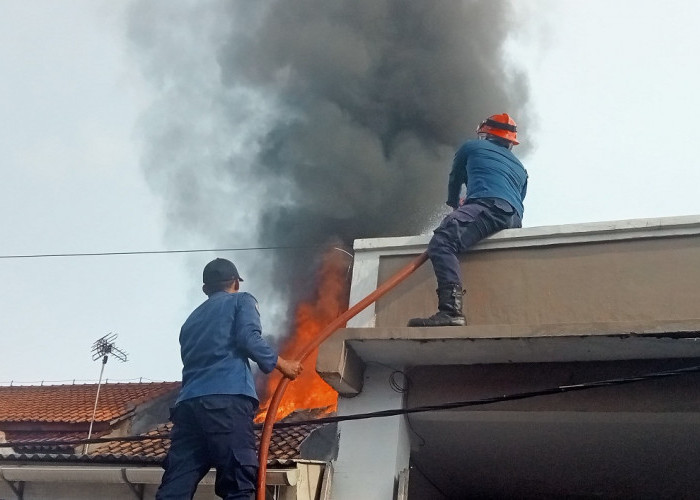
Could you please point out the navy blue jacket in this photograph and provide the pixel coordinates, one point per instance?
(216, 342)
(489, 171)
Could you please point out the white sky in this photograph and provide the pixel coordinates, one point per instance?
(614, 87)
(615, 90)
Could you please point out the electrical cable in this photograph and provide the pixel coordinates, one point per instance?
(156, 252)
(415, 432)
(394, 383)
(415, 465)
(401, 388)
(404, 411)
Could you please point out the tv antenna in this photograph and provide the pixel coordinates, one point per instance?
(103, 348)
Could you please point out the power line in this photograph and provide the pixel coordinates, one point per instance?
(399, 411)
(157, 252)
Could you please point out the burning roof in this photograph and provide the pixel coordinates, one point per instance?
(309, 390)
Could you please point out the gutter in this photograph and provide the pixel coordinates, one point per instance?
(135, 477)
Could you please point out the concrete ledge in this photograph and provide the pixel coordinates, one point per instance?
(370, 253)
(343, 370)
(341, 360)
(565, 234)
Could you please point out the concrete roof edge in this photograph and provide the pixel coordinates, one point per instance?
(658, 227)
(493, 344)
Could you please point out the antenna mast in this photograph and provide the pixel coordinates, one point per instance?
(102, 348)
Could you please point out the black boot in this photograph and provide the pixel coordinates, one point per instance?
(449, 309)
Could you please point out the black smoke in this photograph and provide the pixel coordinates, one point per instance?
(295, 122)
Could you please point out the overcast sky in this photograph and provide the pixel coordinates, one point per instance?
(614, 92)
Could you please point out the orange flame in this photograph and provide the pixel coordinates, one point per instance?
(309, 390)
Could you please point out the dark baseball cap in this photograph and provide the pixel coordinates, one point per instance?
(219, 270)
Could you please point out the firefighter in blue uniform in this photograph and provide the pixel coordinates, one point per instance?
(213, 415)
(496, 184)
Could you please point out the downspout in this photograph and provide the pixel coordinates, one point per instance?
(397, 278)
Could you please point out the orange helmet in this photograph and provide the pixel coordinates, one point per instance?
(502, 126)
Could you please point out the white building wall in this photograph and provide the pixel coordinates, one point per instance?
(372, 452)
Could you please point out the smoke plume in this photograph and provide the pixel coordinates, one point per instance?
(295, 122)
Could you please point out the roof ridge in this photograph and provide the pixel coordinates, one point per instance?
(74, 403)
(12, 385)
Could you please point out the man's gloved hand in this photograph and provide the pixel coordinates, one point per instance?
(288, 368)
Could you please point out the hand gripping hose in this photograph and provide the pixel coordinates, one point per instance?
(310, 347)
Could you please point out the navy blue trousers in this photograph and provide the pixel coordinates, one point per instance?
(211, 431)
(463, 228)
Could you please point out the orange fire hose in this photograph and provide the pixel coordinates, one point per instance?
(323, 335)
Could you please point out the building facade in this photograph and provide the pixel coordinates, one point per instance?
(546, 307)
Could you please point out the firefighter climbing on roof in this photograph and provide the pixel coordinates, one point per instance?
(496, 183)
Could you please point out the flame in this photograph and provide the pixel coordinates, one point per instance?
(309, 390)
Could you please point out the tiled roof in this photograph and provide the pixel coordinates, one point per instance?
(148, 449)
(31, 441)
(284, 444)
(74, 403)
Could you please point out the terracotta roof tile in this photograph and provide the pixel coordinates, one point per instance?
(38, 437)
(284, 444)
(74, 403)
(284, 447)
(31, 442)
